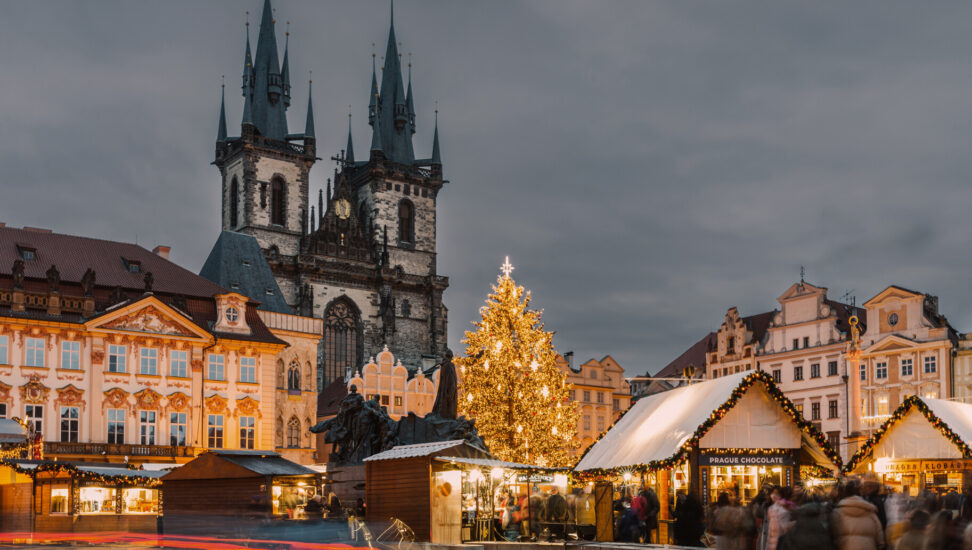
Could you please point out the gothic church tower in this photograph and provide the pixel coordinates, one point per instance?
(365, 259)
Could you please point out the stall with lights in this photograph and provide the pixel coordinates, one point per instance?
(733, 434)
(236, 486)
(82, 497)
(923, 446)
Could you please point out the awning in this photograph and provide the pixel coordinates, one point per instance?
(492, 463)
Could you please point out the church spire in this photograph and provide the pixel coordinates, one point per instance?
(286, 67)
(409, 106)
(349, 152)
(247, 77)
(309, 126)
(376, 136)
(396, 137)
(221, 130)
(269, 103)
(373, 101)
(436, 159)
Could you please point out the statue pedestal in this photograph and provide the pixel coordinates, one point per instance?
(348, 482)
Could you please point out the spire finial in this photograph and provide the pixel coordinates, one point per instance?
(221, 129)
(436, 155)
(392, 13)
(287, 32)
(274, 20)
(248, 21)
(309, 124)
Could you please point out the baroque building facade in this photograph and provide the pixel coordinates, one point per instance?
(364, 260)
(601, 393)
(110, 352)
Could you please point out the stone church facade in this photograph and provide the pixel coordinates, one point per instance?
(363, 258)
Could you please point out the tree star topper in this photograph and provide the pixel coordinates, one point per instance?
(507, 267)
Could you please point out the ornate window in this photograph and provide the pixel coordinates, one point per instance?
(293, 433)
(234, 203)
(342, 339)
(406, 221)
(277, 202)
(293, 376)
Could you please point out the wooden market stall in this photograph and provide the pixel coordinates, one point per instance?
(733, 434)
(83, 497)
(924, 445)
(237, 488)
(406, 484)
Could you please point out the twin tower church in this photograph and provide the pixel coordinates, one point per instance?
(363, 258)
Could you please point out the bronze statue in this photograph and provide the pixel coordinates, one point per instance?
(445, 398)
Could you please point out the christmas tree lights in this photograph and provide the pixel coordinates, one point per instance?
(510, 382)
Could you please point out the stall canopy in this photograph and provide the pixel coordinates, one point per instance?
(230, 463)
(456, 447)
(740, 411)
(921, 428)
(12, 431)
(493, 463)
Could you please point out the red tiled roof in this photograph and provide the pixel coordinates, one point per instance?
(759, 324)
(694, 356)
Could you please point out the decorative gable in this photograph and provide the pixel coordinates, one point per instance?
(231, 314)
(148, 315)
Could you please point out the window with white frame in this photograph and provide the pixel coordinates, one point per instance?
(215, 431)
(148, 361)
(146, 427)
(777, 375)
(247, 432)
(882, 406)
(881, 370)
(116, 358)
(587, 422)
(70, 355)
(798, 373)
(4, 350)
(69, 424)
(217, 366)
(931, 364)
(178, 364)
(177, 429)
(832, 368)
(832, 408)
(248, 369)
(863, 368)
(907, 367)
(814, 370)
(34, 352)
(35, 418)
(815, 410)
(116, 426)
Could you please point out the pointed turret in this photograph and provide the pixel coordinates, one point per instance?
(313, 219)
(328, 189)
(373, 101)
(396, 137)
(309, 126)
(409, 106)
(247, 65)
(221, 130)
(320, 205)
(436, 159)
(349, 152)
(269, 106)
(286, 69)
(376, 136)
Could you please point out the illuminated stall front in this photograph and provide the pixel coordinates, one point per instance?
(733, 434)
(81, 497)
(924, 445)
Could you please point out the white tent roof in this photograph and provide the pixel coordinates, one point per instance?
(658, 426)
(911, 435)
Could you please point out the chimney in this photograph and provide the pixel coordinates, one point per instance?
(569, 356)
(162, 251)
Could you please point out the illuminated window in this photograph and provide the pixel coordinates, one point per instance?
(799, 408)
(931, 394)
(34, 352)
(59, 500)
(140, 501)
(398, 401)
(882, 406)
(70, 355)
(97, 500)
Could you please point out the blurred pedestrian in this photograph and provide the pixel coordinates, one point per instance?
(854, 522)
(941, 534)
(778, 516)
(914, 536)
(810, 529)
(689, 521)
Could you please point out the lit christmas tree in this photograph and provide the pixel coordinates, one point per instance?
(510, 382)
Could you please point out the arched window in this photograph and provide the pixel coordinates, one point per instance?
(342, 340)
(293, 376)
(406, 221)
(406, 309)
(293, 432)
(277, 202)
(234, 203)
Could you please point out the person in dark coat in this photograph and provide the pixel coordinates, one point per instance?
(809, 531)
(314, 508)
(651, 513)
(689, 517)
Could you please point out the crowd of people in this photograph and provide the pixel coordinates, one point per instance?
(853, 515)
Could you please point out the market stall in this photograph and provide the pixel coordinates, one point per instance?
(80, 497)
(923, 446)
(733, 434)
(227, 486)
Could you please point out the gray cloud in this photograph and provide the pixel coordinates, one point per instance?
(645, 165)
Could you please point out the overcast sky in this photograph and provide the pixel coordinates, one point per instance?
(645, 165)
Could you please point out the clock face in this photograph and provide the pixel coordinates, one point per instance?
(893, 319)
(343, 209)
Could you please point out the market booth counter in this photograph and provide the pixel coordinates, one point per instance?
(732, 434)
(80, 497)
(235, 488)
(923, 446)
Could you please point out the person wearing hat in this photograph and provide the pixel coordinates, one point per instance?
(914, 537)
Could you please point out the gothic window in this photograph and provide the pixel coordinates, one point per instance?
(342, 339)
(293, 376)
(293, 432)
(406, 221)
(277, 202)
(406, 309)
(234, 203)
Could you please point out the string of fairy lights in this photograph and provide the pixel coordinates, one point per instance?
(107, 480)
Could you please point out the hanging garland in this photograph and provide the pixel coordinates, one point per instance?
(718, 414)
(112, 480)
(912, 401)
